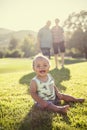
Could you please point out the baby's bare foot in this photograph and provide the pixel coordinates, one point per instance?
(80, 100)
(63, 109)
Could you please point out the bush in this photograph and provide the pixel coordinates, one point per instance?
(14, 54)
(1, 54)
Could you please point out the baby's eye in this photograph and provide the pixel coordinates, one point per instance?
(45, 65)
(38, 66)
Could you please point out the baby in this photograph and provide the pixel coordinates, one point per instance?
(43, 89)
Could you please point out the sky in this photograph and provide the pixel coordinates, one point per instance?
(33, 14)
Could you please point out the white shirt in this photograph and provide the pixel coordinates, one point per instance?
(46, 89)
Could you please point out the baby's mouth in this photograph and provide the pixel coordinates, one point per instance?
(42, 71)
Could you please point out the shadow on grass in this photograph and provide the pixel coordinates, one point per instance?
(37, 119)
(59, 76)
(26, 79)
(74, 61)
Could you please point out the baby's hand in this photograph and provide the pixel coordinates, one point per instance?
(44, 104)
(59, 95)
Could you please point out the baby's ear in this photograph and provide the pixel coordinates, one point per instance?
(33, 68)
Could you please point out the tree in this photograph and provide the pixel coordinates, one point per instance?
(76, 23)
(13, 44)
(28, 46)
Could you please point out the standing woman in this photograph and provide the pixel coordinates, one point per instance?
(58, 42)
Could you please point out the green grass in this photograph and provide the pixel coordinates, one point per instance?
(16, 105)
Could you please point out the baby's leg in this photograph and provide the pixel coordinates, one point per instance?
(68, 98)
(59, 109)
(54, 108)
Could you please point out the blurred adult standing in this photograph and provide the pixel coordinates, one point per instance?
(45, 39)
(58, 42)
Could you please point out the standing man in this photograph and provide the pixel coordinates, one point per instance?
(45, 39)
(58, 42)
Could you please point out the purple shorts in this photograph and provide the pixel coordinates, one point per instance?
(55, 102)
(58, 47)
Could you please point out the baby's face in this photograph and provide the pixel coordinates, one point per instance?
(41, 66)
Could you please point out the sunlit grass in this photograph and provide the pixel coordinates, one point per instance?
(16, 112)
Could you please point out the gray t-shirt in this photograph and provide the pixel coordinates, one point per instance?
(45, 37)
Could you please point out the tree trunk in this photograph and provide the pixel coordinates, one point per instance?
(85, 51)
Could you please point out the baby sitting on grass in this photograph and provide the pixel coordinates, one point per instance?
(44, 91)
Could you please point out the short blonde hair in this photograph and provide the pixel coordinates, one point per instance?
(40, 57)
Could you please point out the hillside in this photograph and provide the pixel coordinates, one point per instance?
(6, 35)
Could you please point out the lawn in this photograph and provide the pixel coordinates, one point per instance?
(16, 105)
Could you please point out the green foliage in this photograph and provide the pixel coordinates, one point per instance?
(16, 105)
(1, 54)
(15, 53)
(16, 48)
(28, 47)
(76, 24)
(13, 44)
(76, 21)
